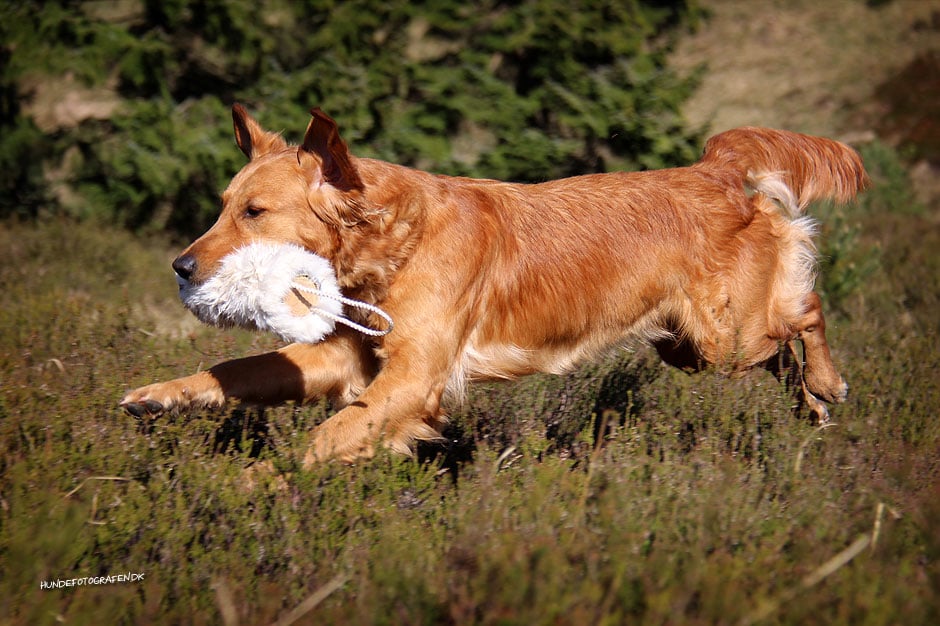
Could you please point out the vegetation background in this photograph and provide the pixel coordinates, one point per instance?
(625, 492)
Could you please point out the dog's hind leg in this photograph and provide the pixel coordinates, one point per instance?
(787, 367)
(821, 380)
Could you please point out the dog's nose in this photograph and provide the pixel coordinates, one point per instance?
(185, 266)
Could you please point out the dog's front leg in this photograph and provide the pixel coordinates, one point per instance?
(401, 405)
(337, 368)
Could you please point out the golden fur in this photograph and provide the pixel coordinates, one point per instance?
(713, 263)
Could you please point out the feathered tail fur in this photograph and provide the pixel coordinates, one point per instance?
(791, 168)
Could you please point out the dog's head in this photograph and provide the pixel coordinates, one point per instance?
(309, 195)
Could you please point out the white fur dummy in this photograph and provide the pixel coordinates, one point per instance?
(280, 288)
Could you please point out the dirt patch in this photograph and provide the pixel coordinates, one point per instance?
(62, 102)
(912, 102)
(804, 65)
(848, 69)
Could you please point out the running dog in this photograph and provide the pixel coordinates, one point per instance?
(713, 263)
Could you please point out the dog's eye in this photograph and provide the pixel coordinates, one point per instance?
(253, 211)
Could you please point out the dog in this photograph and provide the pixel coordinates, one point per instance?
(714, 264)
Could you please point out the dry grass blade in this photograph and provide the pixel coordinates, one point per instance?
(876, 530)
(812, 579)
(226, 602)
(84, 482)
(508, 452)
(313, 601)
(798, 464)
(835, 563)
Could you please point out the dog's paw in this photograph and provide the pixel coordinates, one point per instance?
(197, 391)
(142, 409)
(831, 388)
(817, 408)
(154, 399)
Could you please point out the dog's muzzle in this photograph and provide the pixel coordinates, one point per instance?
(280, 288)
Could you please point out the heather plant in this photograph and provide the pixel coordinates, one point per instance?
(623, 492)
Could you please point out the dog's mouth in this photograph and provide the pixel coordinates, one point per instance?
(207, 303)
(280, 288)
(204, 303)
(204, 299)
(183, 285)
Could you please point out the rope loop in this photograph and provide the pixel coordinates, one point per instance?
(365, 306)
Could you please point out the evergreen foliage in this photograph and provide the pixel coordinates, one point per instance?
(520, 90)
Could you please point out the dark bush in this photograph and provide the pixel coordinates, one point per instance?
(121, 111)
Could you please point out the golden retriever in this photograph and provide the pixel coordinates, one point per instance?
(713, 263)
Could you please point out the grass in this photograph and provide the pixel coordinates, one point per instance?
(625, 492)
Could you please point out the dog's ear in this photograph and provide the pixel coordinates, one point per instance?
(323, 141)
(251, 138)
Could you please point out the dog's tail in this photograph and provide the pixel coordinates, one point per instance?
(791, 168)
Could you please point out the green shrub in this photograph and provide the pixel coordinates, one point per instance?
(523, 90)
(848, 259)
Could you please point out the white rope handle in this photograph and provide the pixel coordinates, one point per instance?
(372, 332)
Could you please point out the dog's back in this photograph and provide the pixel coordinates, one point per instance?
(713, 253)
